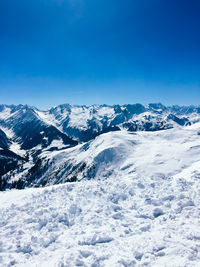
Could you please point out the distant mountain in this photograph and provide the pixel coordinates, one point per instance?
(26, 132)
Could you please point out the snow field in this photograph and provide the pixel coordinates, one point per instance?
(113, 222)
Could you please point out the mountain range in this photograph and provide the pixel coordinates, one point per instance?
(31, 140)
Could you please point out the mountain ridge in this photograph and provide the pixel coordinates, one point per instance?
(26, 132)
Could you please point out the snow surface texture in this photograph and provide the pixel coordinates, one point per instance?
(145, 213)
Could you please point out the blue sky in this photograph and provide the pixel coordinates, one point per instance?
(102, 51)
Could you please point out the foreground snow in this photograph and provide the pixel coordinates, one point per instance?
(146, 214)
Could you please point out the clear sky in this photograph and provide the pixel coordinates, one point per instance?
(99, 51)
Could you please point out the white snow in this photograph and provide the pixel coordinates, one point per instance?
(5, 114)
(56, 143)
(23, 172)
(16, 148)
(145, 214)
(79, 117)
(105, 111)
(9, 132)
(46, 117)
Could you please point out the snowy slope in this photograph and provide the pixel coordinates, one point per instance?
(140, 209)
(120, 153)
(23, 135)
(125, 153)
(26, 130)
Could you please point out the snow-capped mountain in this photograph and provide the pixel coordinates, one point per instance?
(24, 135)
(30, 137)
(86, 122)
